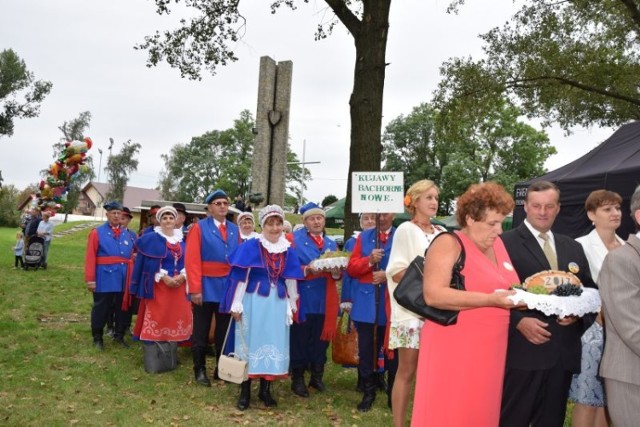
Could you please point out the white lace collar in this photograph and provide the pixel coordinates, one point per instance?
(176, 238)
(275, 248)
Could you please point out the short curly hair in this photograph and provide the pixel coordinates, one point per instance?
(598, 198)
(416, 189)
(480, 198)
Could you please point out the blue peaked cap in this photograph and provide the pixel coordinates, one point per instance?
(218, 194)
(311, 208)
(113, 205)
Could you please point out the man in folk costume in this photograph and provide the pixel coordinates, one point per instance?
(367, 266)
(182, 217)
(151, 218)
(367, 220)
(209, 245)
(108, 268)
(318, 303)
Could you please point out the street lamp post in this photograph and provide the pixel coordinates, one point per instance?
(99, 164)
(302, 163)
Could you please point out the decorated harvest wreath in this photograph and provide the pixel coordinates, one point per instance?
(557, 293)
(331, 259)
(552, 282)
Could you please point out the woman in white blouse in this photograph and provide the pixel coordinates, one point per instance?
(411, 239)
(587, 391)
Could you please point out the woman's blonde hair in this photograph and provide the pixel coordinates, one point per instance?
(415, 191)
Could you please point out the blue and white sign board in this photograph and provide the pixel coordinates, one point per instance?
(377, 192)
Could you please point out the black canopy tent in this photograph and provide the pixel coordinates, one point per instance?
(613, 165)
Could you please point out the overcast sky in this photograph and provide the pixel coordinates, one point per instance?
(85, 48)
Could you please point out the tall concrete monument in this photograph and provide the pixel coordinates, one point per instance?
(269, 164)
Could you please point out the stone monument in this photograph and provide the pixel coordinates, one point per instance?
(269, 164)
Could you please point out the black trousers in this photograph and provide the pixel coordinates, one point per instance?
(202, 315)
(19, 260)
(535, 398)
(103, 303)
(305, 346)
(366, 352)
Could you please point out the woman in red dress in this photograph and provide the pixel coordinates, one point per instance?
(461, 367)
(159, 280)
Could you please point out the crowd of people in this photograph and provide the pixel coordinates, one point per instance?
(500, 364)
(36, 230)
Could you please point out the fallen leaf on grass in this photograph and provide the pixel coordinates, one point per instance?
(72, 422)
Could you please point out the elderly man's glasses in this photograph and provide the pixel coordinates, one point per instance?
(220, 203)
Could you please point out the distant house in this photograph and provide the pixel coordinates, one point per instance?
(93, 195)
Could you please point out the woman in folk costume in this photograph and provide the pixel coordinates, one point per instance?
(247, 226)
(261, 297)
(159, 280)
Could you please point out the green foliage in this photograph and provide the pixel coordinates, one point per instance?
(119, 167)
(204, 41)
(9, 199)
(328, 200)
(459, 147)
(217, 159)
(20, 93)
(567, 62)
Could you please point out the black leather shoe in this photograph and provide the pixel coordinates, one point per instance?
(317, 372)
(245, 395)
(297, 383)
(367, 401)
(200, 374)
(98, 345)
(370, 386)
(265, 393)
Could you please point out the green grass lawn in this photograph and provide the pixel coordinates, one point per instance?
(51, 375)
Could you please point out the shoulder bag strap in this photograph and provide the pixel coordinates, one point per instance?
(459, 265)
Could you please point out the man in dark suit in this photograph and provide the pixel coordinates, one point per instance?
(543, 351)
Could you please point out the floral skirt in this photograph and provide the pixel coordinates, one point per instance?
(587, 387)
(405, 334)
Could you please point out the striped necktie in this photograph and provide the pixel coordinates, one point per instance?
(548, 251)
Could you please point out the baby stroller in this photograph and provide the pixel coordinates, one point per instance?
(33, 254)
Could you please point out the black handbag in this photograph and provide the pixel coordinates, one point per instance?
(409, 292)
(160, 356)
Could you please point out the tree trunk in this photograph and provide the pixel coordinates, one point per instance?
(366, 98)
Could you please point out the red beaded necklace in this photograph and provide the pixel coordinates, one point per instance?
(176, 252)
(275, 264)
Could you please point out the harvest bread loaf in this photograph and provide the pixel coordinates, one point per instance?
(551, 279)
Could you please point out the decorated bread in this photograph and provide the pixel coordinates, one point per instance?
(553, 282)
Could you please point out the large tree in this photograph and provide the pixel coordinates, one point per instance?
(20, 94)
(119, 167)
(218, 159)
(9, 199)
(568, 62)
(206, 39)
(460, 149)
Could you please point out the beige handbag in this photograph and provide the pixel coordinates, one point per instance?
(231, 367)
